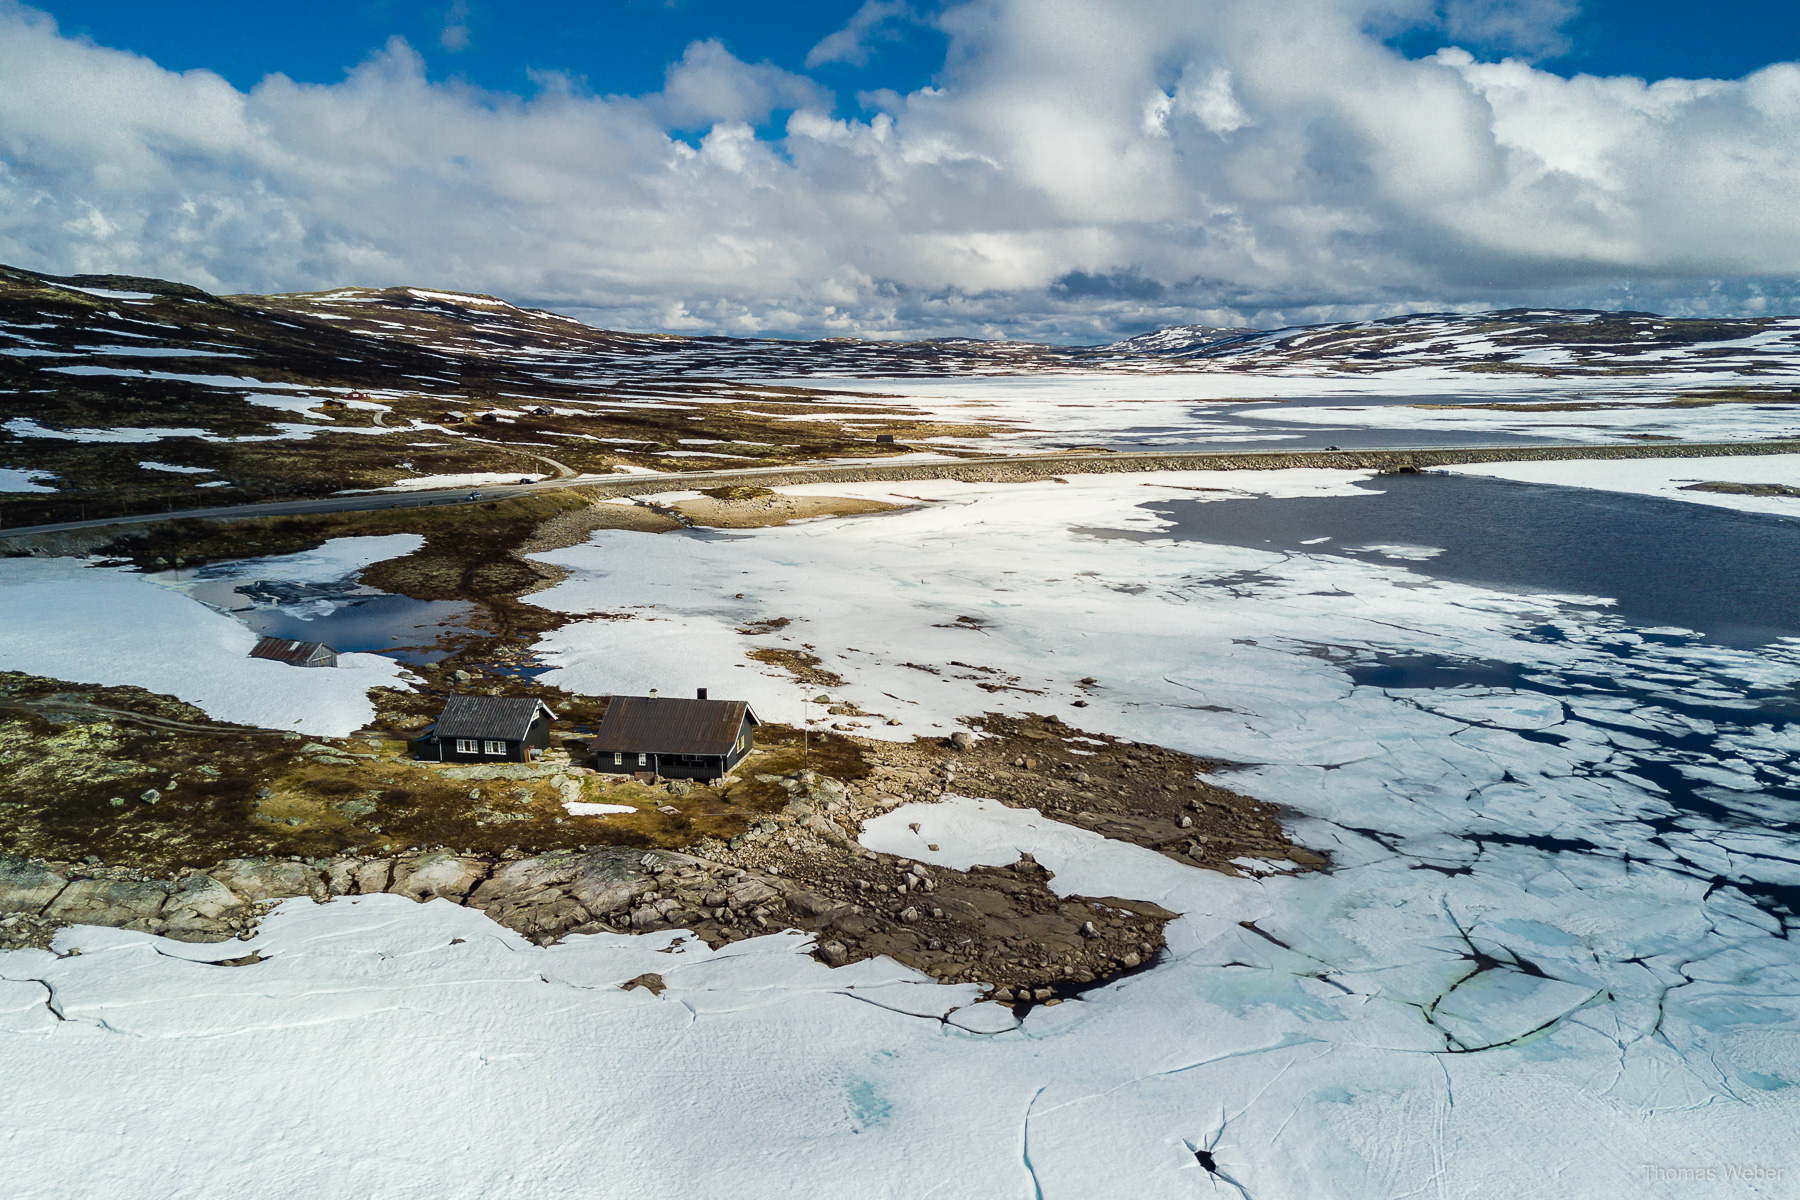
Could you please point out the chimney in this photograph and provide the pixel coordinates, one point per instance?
(700, 694)
(653, 693)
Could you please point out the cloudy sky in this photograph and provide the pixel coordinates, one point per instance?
(1060, 169)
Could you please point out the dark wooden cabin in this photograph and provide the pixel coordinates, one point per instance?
(653, 736)
(486, 729)
(295, 654)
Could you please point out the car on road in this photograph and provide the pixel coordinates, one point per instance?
(473, 496)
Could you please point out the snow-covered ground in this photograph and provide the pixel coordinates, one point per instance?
(1667, 478)
(1552, 958)
(67, 619)
(1044, 410)
(466, 479)
(13, 480)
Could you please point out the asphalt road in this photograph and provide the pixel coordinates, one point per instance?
(1020, 466)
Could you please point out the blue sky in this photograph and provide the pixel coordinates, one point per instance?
(1059, 169)
(623, 46)
(615, 46)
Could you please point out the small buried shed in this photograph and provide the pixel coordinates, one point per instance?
(295, 654)
(676, 739)
(486, 729)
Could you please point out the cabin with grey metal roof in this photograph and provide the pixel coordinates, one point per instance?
(654, 736)
(486, 729)
(295, 654)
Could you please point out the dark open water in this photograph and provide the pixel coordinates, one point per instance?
(1732, 576)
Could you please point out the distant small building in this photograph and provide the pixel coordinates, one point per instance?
(295, 654)
(651, 736)
(486, 729)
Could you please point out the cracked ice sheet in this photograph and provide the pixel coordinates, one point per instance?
(386, 1048)
(66, 619)
(1415, 792)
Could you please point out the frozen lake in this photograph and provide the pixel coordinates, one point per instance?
(1732, 576)
(1555, 950)
(341, 613)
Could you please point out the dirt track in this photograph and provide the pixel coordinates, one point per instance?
(1015, 468)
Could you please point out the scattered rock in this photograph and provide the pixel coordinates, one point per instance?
(833, 954)
(649, 981)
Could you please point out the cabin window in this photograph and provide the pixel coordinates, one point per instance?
(643, 760)
(493, 747)
(618, 758)
(465, 746)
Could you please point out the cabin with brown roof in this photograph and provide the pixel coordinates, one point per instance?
(653, 736)
(486, 729)
(295, 654)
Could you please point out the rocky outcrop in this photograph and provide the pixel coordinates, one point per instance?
(543, 897)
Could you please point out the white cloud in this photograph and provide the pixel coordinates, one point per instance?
(454, 36)
(709, 85)
(851, 43)
(1530, 27)
(1081, 167)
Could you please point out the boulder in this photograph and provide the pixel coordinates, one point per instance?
(557, 891)
(524, 880)
(121, 903)
(259, 879)
(548, 915)
(340, 876)
(201, 895)
(27, 886)
(609, 879)
(827, 829)
(436, 876)
(748, 893)
(373, 876)
(811, 904)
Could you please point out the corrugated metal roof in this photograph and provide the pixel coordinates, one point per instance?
(641, 725)
(500, 718)
(284, 650)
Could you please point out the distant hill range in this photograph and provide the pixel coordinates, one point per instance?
(457, 327)
(121, 394)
